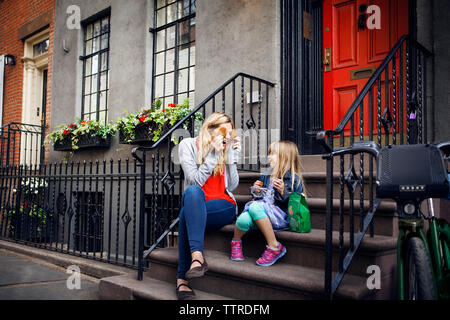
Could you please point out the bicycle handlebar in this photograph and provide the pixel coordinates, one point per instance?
(358, 147)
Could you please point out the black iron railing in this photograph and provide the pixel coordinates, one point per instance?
(237, 98)
(87, 209)
(390, 109)
(21, 143)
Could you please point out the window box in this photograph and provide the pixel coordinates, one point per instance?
(89, 141)
(84, 142)
(143, 134)
(63, 145)
(81, 135)
(149, 125)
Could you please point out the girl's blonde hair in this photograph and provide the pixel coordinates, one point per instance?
(288, 159)
(209, 125)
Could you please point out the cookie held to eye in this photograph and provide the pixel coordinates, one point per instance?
(223, 131)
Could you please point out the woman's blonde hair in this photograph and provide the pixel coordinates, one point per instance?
(212, 122)
(288, 159)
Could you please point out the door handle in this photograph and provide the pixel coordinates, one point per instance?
(327, 60)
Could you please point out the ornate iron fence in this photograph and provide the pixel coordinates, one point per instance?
(21, 143)
(87, 209)
(390, 109)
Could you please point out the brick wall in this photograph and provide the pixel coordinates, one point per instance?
(13, 15)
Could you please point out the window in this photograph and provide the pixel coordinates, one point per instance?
(89, 221)
(174, 51)
(96, 70)
(40, 48)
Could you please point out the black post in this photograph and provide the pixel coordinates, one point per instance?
(8, 146)
(141, 219)
(329, 225)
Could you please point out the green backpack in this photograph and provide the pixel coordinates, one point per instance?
(299, 216)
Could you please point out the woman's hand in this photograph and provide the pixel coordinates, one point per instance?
(237, 143)
(217, 143)
(279, 185)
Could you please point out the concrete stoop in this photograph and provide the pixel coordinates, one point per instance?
(298, 275)
(127, 287)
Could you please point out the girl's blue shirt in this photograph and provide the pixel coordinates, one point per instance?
(282, 201)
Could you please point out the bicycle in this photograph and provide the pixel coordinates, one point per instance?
(423, 261)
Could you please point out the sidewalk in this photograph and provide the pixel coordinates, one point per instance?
(25, 278)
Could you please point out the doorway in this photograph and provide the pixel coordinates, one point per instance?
(353, 49)
(301, 77)
(312, 99)
(35, 78)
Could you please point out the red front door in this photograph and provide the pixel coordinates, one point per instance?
(352, 51)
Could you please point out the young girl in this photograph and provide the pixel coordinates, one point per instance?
(265, 215)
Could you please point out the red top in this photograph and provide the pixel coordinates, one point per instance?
(214, 187)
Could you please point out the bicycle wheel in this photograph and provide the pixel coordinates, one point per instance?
(418, 277)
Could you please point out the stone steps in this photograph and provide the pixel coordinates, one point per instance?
(246, 280)
(308, 249)
(299, 274)
(127, 287)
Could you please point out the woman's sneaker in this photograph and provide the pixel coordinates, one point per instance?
(270, 256)
(236, 251)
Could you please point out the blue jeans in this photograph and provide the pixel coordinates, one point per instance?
(196, 216)
(448, 196)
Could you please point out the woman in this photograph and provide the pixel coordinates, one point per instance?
(209, 165)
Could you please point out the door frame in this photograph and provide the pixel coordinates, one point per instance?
(34, 95)
(301, 71)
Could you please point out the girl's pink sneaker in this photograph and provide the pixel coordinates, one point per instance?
(270, 256)
(236, 251)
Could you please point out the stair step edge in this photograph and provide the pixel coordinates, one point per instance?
(317, 238)
(151, 288)
(309, 175)
(385, 205)
(279, 275)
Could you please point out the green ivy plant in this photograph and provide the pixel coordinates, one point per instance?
(158, 119)
(127, 126)
(33, 211)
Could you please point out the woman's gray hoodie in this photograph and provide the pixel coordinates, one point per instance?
(196, 174)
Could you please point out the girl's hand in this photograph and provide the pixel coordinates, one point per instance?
(217, 143)
(258, 184)
(279, 185)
